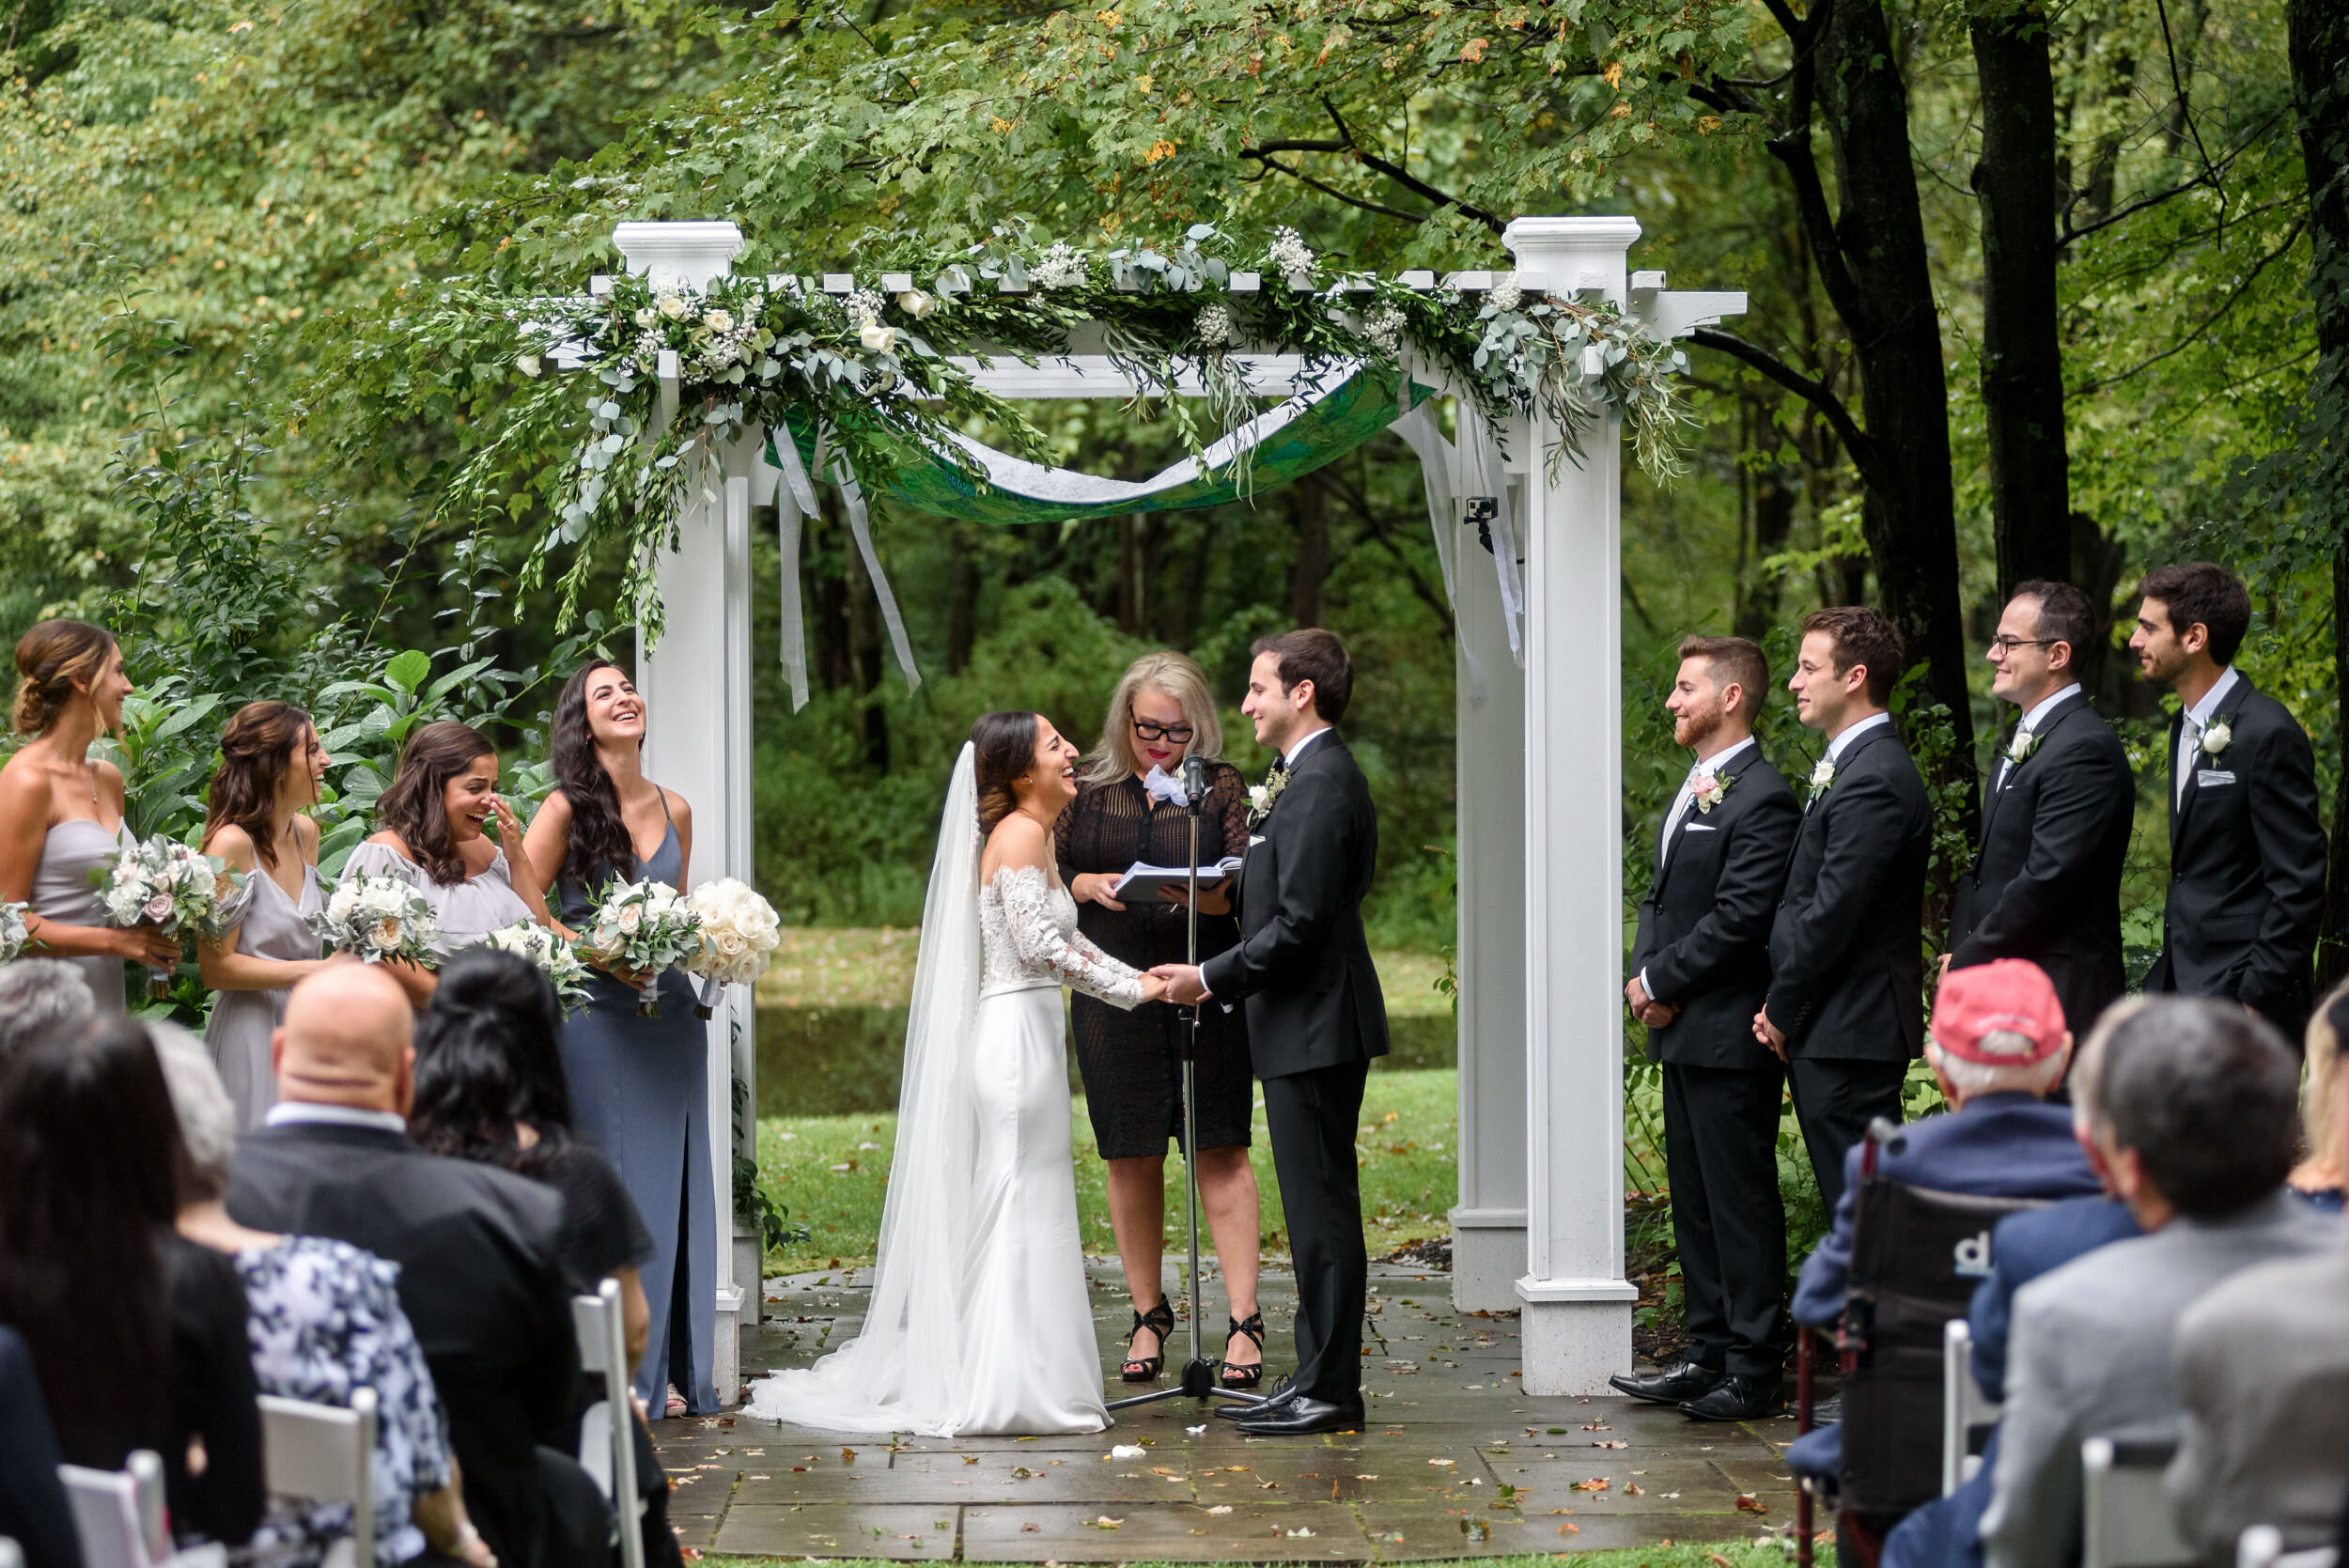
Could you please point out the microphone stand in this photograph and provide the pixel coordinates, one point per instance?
(1198, 1372)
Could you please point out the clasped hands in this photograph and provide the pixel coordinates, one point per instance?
(1645, 1008)
(1183, 983)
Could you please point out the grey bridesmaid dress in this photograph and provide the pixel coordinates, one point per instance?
(640, 1092)
(63, 891)
(269, 925)
(467, 911)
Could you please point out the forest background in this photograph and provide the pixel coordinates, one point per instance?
(2037, 290)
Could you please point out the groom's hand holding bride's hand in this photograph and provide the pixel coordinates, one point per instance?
(1182, 984)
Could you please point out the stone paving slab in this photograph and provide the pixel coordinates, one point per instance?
(1452, 1461)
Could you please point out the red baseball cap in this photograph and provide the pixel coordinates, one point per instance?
(2006, 995)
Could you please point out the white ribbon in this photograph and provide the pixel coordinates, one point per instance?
(1435, 460)
(787, 518)
(1480, 473)
(861, 528)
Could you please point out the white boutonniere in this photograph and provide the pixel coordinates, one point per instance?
(2021, 747)
(1707, 790)
(1261, 797)
(2216, 736)
(1822, 776)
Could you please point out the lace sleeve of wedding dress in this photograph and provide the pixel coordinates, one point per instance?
(1047, 945)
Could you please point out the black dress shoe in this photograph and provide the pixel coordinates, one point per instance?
(1301, 1416)
(1279, 1398)
(1736, 1398)
(1680, 1381)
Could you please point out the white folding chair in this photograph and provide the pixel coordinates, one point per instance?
(2126, 1513)
(607, 1437)
(119, 1516)
(12, 1555)
(326, 1454)
(2262, 1547)
(1966, 1415)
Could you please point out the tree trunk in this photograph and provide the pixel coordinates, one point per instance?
(1132, 587)
(962, 598)
(865, 663)
(1309, 506)
(2317, 40)
(1775, 493)
(2022, 355)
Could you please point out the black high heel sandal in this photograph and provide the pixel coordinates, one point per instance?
(1160, 1320)
(1231, 1377)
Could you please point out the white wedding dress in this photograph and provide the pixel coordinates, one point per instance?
(980, 1321)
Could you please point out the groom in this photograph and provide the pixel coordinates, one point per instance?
(1315, 1014)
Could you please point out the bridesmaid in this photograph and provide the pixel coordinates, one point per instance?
(271, 766)
(434, 837)
(640, 1087)
(61, 811)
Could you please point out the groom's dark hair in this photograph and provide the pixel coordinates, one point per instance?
(1317, 656)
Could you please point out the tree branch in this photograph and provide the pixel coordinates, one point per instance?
(2291, 238)
(1817, 394)
(1328, 190)
(1407, 179)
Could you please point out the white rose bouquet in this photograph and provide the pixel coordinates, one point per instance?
(642, 927)
(164, 883)
(554, 957)
(741, 932)
(12, 930)
(375, 918)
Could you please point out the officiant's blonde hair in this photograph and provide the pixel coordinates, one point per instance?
(1179, 678)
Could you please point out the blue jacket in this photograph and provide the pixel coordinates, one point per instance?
(2024, 1247)
(2003, 1145)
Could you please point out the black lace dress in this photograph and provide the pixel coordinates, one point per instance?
(1132, 1078)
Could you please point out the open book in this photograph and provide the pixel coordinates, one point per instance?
(1144, 881)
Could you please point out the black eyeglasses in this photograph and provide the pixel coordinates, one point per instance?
(2008, 644)
(1179, 734)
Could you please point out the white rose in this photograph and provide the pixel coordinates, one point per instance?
(2214, 738)
(877, 339)
(718, 320)
(1824, 774)
(672, 306)
(916, 304)
(632, 919)
(646, 317)
(528, 365)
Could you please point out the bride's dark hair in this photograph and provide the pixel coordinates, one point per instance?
(600, 847)
(1004, 748)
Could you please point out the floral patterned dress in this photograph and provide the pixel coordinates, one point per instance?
(324, 1319)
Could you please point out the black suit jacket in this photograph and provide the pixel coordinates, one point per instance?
(1302, 963)
(1705, 926)
(34, 1512)
(1846, 947)
(479, 1280)
(2046, 882)
(2246, 866)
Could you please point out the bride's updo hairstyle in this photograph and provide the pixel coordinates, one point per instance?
(1004, 748)
(48, 660)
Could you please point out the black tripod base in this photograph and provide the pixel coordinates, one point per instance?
(1198, 1382)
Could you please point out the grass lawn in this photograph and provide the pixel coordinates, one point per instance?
(830, 1172)
(1741, 1552)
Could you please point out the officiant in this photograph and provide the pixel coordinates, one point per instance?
(1129, 808)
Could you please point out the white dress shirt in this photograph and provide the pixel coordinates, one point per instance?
(2197, 718)
(1681, 802)
(1288, 759)
(287, 1111)
(2030, 726)
(1837, 747)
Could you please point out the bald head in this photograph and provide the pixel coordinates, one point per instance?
(345, 1041)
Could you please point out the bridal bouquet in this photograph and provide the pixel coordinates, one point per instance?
(642, 927)
(375, 918)
(164, 883)
(554, 957)
(741, 932)
(12, 930)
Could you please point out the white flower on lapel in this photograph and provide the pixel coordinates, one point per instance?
(2215, 737)
(1707, 789)
(2024, 743)
(1261, 797)
(1822, 776)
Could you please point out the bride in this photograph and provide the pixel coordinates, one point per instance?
(980, 1321)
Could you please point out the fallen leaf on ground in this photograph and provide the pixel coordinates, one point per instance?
(1633, 1489)
(1596, 1483)
(1221, 1507)
(1569, 1529)
(1749, 1503)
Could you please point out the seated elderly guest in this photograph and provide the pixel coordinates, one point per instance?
(2262, 1365)
(38, 995)
(138, 1334)
(2195, 1128)
(324, 1320)
(479, 1277)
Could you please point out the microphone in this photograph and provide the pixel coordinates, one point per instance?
(1195, 781)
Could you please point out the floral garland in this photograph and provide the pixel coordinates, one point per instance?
(869, 372)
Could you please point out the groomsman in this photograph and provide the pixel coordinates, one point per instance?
(2045, 881)
(1701, 971)
(1846, 1001)
(2246, 851)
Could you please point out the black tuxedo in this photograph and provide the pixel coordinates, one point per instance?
(1315, 1019)
(1846, 963)
(1703, 945)
(2046, 882)
(479, 1280)
(2246, 866)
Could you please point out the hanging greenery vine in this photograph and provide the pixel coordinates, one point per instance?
(869, 371)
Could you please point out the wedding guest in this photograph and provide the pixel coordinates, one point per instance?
(1701, 970)
(257, 819)
(1130, 808)
(36, 995)
(1846, 978)
(2045, 883)
(480, 1277)
(138, 1332)
(639, 1086)
(2247, 849)
(33, 1510)
(61, 811)
(434, 819)
(2195, 1127)
(2320, 1176)
(490, 1087)
(323, 1319)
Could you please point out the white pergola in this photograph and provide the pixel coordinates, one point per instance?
(1539, 1222)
